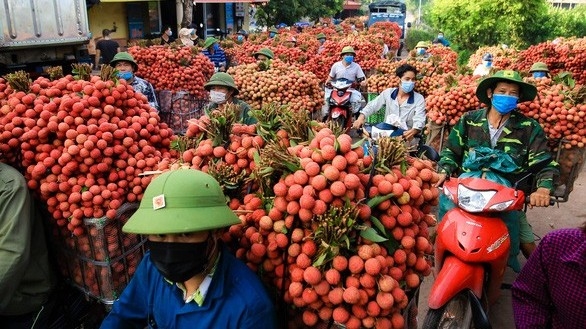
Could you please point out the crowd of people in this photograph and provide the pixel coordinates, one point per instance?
(188, 279)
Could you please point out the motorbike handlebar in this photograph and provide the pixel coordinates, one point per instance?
(552, 200)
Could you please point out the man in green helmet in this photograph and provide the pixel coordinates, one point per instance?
(127, 67)
(346, 68)
(539, 70)
(188, 279)
(223, 90)
(263, 54)
(321, 38)
(511, 135)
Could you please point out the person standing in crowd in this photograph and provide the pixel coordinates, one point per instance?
(483, 69)
(215, 53)
(127, 66)
(441, 39)
(106, 48)
(550, 291)
(26, 277)
(223, 90)
(539, 70)
(348, 69)
(509, 133)
(263, 55)
(321, 38)
(167, 36)
(241, 36)
(187, 35)
(188, 279)
(273, 32)
(404, 108)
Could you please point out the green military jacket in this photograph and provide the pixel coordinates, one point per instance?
(26, 279)
(522, 138)
(245, 117)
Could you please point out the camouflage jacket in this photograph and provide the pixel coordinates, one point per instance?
(523, 138)
(245, 117)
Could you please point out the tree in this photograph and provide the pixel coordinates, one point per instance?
(187, 12)
(290, 11)
(471, 24)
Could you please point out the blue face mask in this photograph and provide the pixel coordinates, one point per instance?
(240, 38)
(272, 34)
(125, 75)
(487, 63)
(407, 86)
(539, 74)
(321, 41)
(440, 36)
(504, 104)
(349, 59)
(216, 47)
(420, 51)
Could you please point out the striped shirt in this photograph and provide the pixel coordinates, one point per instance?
(218, 57)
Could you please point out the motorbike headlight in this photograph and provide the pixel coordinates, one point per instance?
(501, 206)
(472, 200)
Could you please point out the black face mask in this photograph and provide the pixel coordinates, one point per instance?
(178, 261)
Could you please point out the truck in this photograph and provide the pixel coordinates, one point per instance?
(41, 33)
(388, 11)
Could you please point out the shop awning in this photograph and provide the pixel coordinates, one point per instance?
(351, 5)
(230, 1)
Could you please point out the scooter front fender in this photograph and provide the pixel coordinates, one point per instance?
(453, 277)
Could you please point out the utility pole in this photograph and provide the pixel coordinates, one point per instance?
(419, 15)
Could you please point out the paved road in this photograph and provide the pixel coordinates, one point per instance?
(543, 220)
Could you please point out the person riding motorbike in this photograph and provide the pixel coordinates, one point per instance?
(500, 127)
(421, 53)
(484, 68)
(404, 108)
(347, 69)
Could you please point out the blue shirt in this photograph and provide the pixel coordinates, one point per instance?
(219, 56)
(236, 299)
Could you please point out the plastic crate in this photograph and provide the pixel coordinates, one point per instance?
(101, 262)
(178, 107)
(378, 116)
(571, 162)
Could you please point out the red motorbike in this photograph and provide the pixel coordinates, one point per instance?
(471, 253)
(340, 103)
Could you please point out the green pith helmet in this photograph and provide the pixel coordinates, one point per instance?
(181, 201)
(539, 67)
(339, 28)
(274, 30)
(126, 57)
(348, 50)
(527, 90)
(422, 44)
(320, 36)
(264, 51)
(209, 42)
(222, 79)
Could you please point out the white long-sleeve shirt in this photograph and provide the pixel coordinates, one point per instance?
(411, 112)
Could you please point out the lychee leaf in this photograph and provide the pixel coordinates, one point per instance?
(371, 235)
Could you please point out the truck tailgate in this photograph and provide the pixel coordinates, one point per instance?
(31, 23)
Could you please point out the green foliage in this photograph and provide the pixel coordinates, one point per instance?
(415, 35)
(567, 22)
(290, 11)
(472, 24)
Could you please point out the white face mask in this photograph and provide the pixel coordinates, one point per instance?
(217, 97)
(170, 33)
